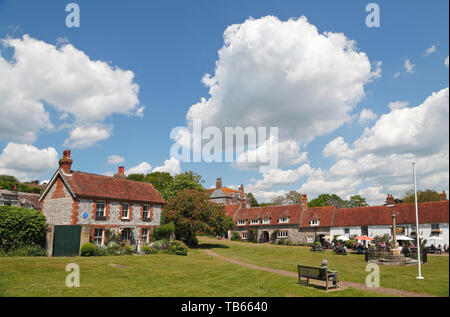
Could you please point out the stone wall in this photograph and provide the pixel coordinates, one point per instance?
(58, 211)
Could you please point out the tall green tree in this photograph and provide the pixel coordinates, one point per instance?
(253, 201)
(422, 196)
(192, 213)
(159, 180)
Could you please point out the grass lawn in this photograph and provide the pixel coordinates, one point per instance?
(351, 267)
(197, 274)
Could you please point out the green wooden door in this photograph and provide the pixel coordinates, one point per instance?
(66, 240)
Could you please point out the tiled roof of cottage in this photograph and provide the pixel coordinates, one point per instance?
(429, 212)
(30, 199)
(106, 187)
(293, 212)
(324, 214)
(231, 209)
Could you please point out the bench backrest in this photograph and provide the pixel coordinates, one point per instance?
(311, 272)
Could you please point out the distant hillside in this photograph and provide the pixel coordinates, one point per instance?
(8, 182)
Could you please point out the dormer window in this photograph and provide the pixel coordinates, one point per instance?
(314, 222)
(283, 220)
(241, 222)
(265, 221)
(254, 221)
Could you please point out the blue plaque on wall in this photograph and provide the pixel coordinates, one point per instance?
(85, 215)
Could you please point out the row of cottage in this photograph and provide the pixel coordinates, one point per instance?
(133, 209)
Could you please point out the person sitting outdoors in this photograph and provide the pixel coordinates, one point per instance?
(332, 274)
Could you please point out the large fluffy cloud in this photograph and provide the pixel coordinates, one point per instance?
(41, 75)
(27, 162)
(171, 166)
(285, 74)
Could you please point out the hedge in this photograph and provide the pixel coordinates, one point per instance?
(21, 227)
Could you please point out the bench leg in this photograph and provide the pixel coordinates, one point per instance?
(307, 281)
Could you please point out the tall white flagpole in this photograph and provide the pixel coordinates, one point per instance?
(420, 277)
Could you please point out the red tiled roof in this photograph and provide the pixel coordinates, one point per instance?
(100, 186)
(231, 209)
(429, 212)
(293, 212)
(324, 214)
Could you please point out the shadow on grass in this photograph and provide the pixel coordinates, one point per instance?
(211, 246)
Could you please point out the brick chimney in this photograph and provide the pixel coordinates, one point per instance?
(219, 183)
(390, 200)
(443, 196)
(241, 188)
(120, 172)
(15, 188)
(305, 201)
(66, 162)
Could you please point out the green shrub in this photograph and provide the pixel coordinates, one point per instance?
(192, 241)
(149, 250)
(28, 250)
(317, 243)
(163, 231)
(280, 241)
(349, 243)
(87, 249)
(177, 247)
(2, 253)
(100, 250)
(127, 250)
(160, 244)
(21, 227)
(252, 235)
(236, 236)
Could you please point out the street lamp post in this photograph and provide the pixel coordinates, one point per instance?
(420, 277)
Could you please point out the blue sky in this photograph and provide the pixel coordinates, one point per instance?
(171, 45)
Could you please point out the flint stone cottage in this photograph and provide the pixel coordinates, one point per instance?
(97, 202)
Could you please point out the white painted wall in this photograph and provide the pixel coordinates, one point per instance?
(424, 231)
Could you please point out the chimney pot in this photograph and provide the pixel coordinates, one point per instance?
(66, 162)
(121, 170)
(241, 188)
(305, 201)
(390, 200)
(219, 183)
(443, 196)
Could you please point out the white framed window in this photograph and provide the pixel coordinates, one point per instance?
(125, 211)
(282, 234)
(144, 234)
(315, 222)
(347, 231)
(100, 209)
(146, 212)
(283, 220)
(265, 221)
(241, 222)
(244, 235)
(98, 236)
(254, 221)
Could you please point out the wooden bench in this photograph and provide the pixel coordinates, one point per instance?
(317, 273)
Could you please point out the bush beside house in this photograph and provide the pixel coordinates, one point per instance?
(22, 231)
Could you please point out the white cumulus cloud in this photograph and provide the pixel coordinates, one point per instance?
(115, 159)
(171, 166)
(41, 75)
(27, 162)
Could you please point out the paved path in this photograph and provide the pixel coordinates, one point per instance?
(342, 284)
